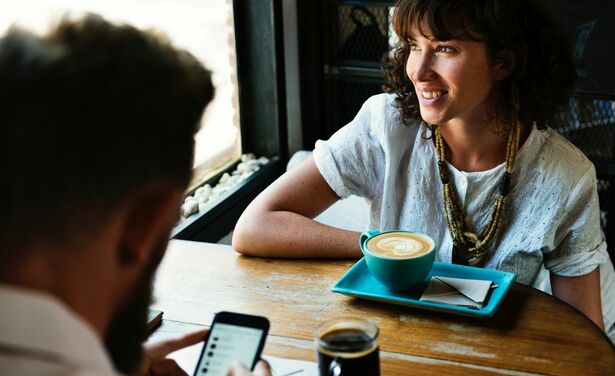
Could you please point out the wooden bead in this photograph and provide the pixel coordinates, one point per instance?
(443, 172)
(505, 184)
(473, 252)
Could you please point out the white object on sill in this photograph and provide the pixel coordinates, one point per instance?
(189, 207)
(203, 195)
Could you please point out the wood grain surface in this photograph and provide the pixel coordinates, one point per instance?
(532, 332)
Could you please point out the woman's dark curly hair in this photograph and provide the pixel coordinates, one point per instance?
(517, 33)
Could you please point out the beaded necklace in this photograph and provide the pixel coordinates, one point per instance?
(469, 248)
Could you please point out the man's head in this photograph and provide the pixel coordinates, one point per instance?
(96, 149)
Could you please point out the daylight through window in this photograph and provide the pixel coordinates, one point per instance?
(204, 28)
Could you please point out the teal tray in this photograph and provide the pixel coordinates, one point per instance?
(360, 283)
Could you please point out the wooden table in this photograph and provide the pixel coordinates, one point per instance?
(531, 333)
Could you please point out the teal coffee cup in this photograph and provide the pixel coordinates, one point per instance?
(399, 260)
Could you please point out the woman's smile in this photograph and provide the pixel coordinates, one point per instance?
(428, 97)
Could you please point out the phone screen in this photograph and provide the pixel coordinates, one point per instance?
(227, 343)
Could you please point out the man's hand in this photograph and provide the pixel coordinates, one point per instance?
(261, 369)
(157, 363)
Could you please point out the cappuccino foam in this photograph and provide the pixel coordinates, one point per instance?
(399, 245)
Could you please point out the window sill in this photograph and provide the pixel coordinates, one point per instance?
(220, 215)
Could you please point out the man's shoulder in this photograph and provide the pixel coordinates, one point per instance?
(14, 364)
(57, 336)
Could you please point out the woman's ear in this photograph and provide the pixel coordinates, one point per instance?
(504, 64)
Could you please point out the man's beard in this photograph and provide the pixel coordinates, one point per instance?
(128, 327)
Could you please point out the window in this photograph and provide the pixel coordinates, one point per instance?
(242, 43)
(203, 27)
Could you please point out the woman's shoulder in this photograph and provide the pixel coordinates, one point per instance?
(560, 156)
(384, 115)
(378, 127)
(382, 100)
(381, 105)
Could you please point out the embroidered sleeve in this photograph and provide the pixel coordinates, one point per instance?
(582, 247)
(351, 160)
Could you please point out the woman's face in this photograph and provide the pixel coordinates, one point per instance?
(453, 80)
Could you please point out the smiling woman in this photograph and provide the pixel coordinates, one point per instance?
(458, 149)
(204, 28)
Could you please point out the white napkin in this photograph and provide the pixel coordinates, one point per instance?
(457, 291)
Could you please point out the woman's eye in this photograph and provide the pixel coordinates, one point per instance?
(445, 49)
(413, 47)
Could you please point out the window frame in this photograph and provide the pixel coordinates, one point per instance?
(259, 48)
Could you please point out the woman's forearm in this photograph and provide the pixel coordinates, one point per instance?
(288, 234)
(278, 223)
(581, 292)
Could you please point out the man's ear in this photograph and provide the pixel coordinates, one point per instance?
(149, 215)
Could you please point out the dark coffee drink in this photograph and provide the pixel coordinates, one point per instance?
(399, 245)
(348, 347)
(360, 357)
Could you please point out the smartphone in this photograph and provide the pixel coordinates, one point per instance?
(232, 337)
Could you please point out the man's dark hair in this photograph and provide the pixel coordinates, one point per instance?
(517, 33)
(91, 112)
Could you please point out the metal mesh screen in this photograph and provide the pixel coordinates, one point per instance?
(347, 97)
(589, 122)
(361, 34)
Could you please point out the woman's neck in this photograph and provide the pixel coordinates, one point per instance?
(476, 147)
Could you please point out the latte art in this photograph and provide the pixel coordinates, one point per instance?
(399, 245)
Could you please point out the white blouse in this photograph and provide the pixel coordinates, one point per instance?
(553, 220)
